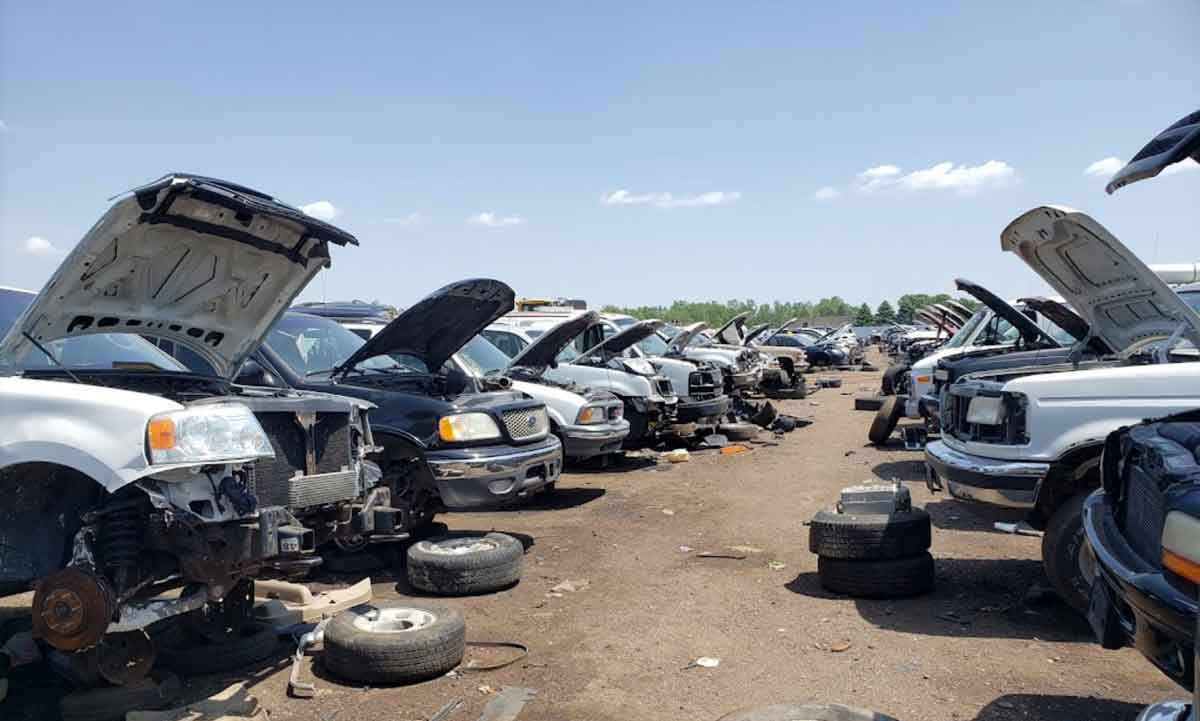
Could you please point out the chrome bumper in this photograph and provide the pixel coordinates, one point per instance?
(594, 440)
(491, 475)
(1009, 484)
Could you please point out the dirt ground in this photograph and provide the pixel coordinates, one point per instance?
(983, 646)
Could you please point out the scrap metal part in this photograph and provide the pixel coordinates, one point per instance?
(71, 609)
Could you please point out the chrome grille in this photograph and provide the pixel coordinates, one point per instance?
(526, 423)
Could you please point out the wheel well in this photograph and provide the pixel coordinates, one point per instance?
(1077, 471)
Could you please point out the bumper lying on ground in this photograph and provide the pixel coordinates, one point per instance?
(491, 475)
(1132, 603)
(693, 411)
(595, 440)
(1009, 484)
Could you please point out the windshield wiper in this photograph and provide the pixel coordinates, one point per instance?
(50, 355)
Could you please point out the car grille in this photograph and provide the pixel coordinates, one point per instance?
(1142, 516)
(284, 479)
(954, 406)
(1152, 464)
(526, 423)
(703, 385)
(664, 387)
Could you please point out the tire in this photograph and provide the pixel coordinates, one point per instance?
(358, 648)
(363, 562)
(867, 403)
(810, 711)
(830, 382)
(111, 703)
(639, 426)
(434, 566)
(886, 419)
(791, 393)
(896, 578)
(869, 537)
(738, 431)
(1061, 545)
(255, 642)
(888, 384)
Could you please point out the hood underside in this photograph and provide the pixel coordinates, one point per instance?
(437, 326)
(1173, 145)
(615, 344)
(1121, 299)
(733, 331)
(684, 337)
(754, 333)
(544, 349)
(204, 263)
(1061, 316)
(1027, 328)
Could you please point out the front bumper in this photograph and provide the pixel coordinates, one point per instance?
(492, 475)
(594, 440)
(746, 379)
(692, 411)
(1132, 603)
(1008, 484)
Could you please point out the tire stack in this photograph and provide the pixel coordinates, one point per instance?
(874, 544)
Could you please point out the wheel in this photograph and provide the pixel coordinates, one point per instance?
(894, 578)
(867, 403)
(869, 537)
(809, 711)
(113, 702)
(394, 643)
(252, 644)
(790, 393)
(738, 431)
(1062, 544)
(888, 384)
(639, 427)
(886, 419)
(464, 565)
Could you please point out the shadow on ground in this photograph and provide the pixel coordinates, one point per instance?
(1038, 707)
(913, 470)
(980, 598)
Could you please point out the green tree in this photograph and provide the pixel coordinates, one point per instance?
(884, 313)
(864, 315)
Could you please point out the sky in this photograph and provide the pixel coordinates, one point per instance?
(630, 154)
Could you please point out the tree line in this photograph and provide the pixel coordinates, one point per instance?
(715, 313)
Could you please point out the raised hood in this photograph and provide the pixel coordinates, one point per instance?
(732, 332)
(685, 335)
(788, 324)
(1173, 145)
(1029, 330)
(435, 327)
(1121, 299)
(755, 332)
(1065, 318)
(201, 262)
(543, 350)
(614, 345)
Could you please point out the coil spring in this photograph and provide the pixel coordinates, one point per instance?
(120, 533)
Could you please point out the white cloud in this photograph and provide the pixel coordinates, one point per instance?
(3, 127)
(410, 219)
(321, 210)
(1104, 167)
(670, 200)
(1181, 167)
(963, 179)
(491, 220)
(37, 245)
(827, 192)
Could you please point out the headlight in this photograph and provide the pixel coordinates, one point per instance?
(1181, 545)
(467, 427)
(207, 434)
(591, 414)
(616, 413)
(941, 374)
(986, 410)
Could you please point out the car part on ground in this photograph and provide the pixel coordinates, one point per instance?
(886, 418)
(869, 536)
(892, 578)
(394, 643)
(281, 604)
(806, 711)
(465, 564)
(868, 402)
(196, 656)
(739, 431)
(111, 703)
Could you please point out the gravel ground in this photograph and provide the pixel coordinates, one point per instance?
(986, 645)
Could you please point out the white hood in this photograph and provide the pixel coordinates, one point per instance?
(204, 263)
(1124, 302)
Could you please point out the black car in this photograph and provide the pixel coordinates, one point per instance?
(446, 441)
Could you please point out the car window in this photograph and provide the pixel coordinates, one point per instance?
(509, 344)
(653, 345)
(190, 358)
(482, 358)
(104, 351)
(309, 344)
(786, 341)
(1192, 298)
(965, 333)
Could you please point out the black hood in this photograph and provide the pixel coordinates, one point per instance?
(543, 350)
(434, 328)
(1028, 329)
(1173, 145)
(755, 332)
(1067, 319)
(635, 333)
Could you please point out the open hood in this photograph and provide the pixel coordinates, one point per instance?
(1067, 319)
(788, 324)
(1121, 299)
(1029, 330)
(684, 337)
(733, 331)
(544, 349)
(958, 313)
(753, 334)
(435, 327)
(1173, 145)
(204, 263)
(936, 317)
(614, 345)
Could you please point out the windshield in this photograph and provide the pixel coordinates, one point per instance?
(310, 345)
(482, 358)
(1192, 298)
(964, 334)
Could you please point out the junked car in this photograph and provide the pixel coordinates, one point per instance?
(161, 477)
(741, 368)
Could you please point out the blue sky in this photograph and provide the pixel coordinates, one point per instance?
(630, 154)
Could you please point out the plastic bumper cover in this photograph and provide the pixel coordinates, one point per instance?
(594, 440)
(691, 411)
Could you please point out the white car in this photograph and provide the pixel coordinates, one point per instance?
(1032, 444)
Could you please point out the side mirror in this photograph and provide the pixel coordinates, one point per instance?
(253, 374)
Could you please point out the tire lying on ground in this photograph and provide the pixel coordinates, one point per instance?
(893, 578)
(886, 419)
(806, 712)
(253, 643)
(870, 537)
(111, 703)
(790, 393)
(739, 431)
(465, 564)
(394, 642)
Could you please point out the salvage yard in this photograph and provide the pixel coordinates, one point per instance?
(640, 604)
